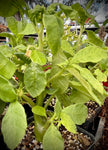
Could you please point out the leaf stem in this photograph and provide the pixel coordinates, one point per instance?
(27, 99)
(48, 101)
(55, 76)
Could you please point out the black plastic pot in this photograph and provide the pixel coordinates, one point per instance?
(91, 124)
(92, 137)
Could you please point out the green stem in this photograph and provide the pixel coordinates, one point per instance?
(55, 76)
(40, 36)
(48, 101)
(27, 99)
(79, 37)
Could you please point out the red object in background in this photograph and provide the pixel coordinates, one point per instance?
(88, 20)
(46, 67)
(105, 83)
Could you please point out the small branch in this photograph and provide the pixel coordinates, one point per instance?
(27, 99)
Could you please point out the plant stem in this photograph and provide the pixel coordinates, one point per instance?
(55, 76)
(48, 101)
(40, 36)
(27, 99)
(79, 38)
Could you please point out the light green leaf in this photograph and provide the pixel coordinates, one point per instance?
(89, 54)
(77, 112)
(34, 79)
(78, 97)
(84, 83)
(2, 106)
(57, 108)
(67, 47)
(9, 35)
(52, 139)
(91, 79)
(29, 29)
(14, 125)
(38, 57)
(61, 83)
(38, 110)
(53, 32)
(68, 122)
(66, 9)
(6, 50)
(7, 93)
(94, 39)
(5, 66)
(12, 24)
(100, 75)
(82, 14)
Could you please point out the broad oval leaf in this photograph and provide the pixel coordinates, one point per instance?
(34, 79)
(61, 83)
(38, 57)
(12, 24)
(89, 54)
(94, 39)
(100, 75)
(77, 112)
(52, 139)
(7, 68)
(14, 125)
(6, 50)
(53, 32)
(67, 47)
(91, 79)
(68, 123)
(38, 110)
(7, 93)
(84, 83)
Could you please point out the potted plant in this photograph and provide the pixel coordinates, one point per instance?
(73, 77)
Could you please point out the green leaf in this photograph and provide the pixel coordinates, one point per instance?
(53, 32)
(29, 29)
(57, 109)
(5, 66)
(10, 36)
(66, 9)
(89, 54)
(91, 79)
(38, 57)
(61, 83)
(7, 93)
(2, 106)
(34, 79)
(6, 50)
(10, 7)
(82, 14)
(77, 112)
(94, 39)
(23, 57)
(100, 75)
(67, 47)
(52, 139)
(78, 97)
(68, 122)
(38, 110)
(84, 83)
(12, 24)
(14, 125)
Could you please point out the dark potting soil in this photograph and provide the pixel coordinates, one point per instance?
(78, 141)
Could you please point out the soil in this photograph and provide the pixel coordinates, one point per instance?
(78, 141)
